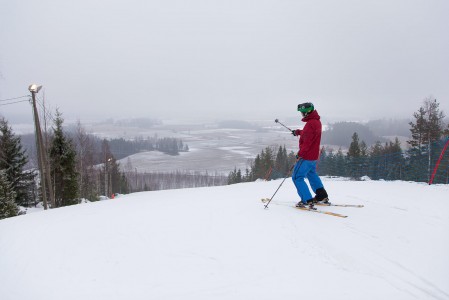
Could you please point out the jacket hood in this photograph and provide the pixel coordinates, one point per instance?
(313, 115)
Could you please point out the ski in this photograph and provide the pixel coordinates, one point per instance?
(265, 200)
(340, 205)
(322, 212)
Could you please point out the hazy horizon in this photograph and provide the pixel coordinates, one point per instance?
(355, 60)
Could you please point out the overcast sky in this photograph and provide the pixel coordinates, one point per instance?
(222, 59)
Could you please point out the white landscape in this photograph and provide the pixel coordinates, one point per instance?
(220, 243)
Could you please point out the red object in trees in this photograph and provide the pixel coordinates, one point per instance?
(438, 162)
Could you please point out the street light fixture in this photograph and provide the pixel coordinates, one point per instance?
(34, 88)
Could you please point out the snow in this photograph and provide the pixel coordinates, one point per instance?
(220, 243)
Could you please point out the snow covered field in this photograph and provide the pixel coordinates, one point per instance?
(219, 243)
(217, 151)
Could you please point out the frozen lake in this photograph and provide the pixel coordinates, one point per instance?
(212, 149)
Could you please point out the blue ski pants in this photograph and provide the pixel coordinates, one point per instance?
(306, 169)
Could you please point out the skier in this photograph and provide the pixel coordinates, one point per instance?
(309, 151)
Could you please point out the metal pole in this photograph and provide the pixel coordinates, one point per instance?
(291, 168)
(105, 175)
(277, 121)
(40, 158)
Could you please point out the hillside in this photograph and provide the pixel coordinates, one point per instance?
(219, 243)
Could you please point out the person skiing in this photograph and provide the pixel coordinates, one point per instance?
(309, 151)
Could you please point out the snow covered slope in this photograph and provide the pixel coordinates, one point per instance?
(219, 243)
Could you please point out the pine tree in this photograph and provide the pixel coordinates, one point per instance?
(354, 147)
(63, 166)
(353, 156)
(340, 164)
(267, 158)
(363, 149)
(376, 165)
(257, 171)
(323, 162)
(393, 160)
(8, 207)
(428, 126)
(427, 130)
(13, 159)
(281, 163)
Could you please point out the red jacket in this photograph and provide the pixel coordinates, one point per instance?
(310, 137)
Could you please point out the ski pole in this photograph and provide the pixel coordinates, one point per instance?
(277, 121)
(289, 171)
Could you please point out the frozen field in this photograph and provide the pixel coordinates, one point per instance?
(212, 149)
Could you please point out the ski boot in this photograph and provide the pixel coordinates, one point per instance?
(324, 201)
(321, 197)
(307, 205)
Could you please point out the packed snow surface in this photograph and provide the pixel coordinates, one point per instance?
(220, 243)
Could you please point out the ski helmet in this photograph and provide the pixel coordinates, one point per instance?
(305, 108)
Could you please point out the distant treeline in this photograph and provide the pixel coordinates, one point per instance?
(390, 127)
(370, 132)
(137, 122)
(337, 134)
(154, 181)
(120, 148)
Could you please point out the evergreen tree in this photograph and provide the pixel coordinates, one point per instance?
(247, 176)
(353, 156)
(428, 126)
(281, 165)
(426, 131)
(376, 165)
(363, 149)
(13, 159)
(393, 160)
(340, 164)
(323, 162)
(257, 170)
(8, 207)
(267, 161)
(63, 166)
(354, 148)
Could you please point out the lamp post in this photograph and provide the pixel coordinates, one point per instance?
(41, 153)
(106, 173)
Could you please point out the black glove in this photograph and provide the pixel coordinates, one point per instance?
(294, 132)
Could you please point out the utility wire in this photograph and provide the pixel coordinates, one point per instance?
(3, 100)
(47, 113)
(13, 102)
